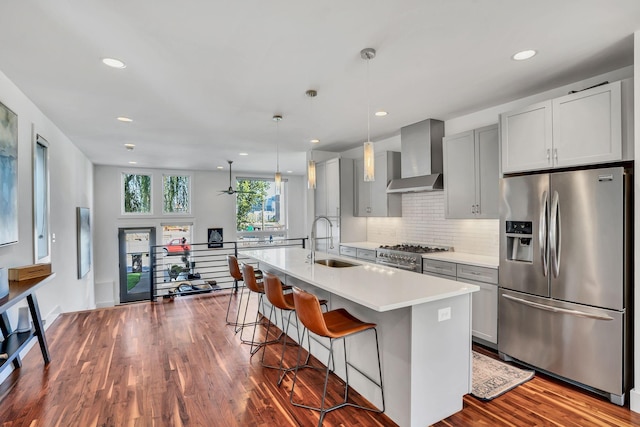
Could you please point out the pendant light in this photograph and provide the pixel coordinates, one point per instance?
(278, 175)
(369, 166)
(311, 167)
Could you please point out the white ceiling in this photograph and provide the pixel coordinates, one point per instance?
(205, 77)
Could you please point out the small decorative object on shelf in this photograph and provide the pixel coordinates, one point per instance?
(29, 271)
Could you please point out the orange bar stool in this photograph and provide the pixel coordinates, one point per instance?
(257, 288)
(284, 302)
(236, 274)
(335, 325)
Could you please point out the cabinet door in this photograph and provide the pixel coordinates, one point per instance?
(459, 175)
(484, 311)
(378, 192)
(362, 206)
(526, 138)
(487, 179)
(333, 187)
(320, 194)
(587, 126)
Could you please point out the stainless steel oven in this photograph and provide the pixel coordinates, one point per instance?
(405, 256)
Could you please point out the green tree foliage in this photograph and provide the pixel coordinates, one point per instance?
(137, 193)
(176, 194)
(252, 193)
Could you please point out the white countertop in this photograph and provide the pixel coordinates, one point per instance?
(373, 286)
(464, 258)
(362, 245)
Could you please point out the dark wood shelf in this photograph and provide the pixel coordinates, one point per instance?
(13, 344)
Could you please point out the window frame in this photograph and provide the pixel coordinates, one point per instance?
(122, 194)
(265, 234)
(41, 200)
(190, 194)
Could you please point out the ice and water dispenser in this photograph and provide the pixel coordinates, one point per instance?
(519, 241)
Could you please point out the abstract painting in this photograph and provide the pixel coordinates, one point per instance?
(84, 242)
(8, 176)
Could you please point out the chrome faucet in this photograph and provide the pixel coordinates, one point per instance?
(313, 237)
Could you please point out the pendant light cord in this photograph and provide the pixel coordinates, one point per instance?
(368, 104)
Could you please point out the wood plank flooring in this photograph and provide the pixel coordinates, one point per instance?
(176, 363)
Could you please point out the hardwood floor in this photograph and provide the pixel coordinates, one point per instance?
(176, 363)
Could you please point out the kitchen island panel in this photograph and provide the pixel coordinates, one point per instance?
(426, 363)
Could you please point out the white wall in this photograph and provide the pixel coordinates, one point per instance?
(71, 185)
(423, 222)
(209, 209)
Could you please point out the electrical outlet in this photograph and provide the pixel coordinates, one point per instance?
(444, 314)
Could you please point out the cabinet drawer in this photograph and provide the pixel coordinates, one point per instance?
(481, 274)
(442, 276)
(368, 254)
(348, 251)
(439, 267)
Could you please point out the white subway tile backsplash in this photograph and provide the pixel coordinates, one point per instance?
(423, 221)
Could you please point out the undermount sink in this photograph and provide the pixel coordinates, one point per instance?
(335, 263)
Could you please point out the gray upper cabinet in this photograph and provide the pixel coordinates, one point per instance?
(587, 127)
(372, 199)
(471, 173)
(577, 129)
(327, 193)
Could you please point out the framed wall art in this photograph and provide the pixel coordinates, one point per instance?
(214, 237)
(84, 241)
(8, 176)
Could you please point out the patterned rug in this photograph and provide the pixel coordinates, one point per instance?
(491, 377)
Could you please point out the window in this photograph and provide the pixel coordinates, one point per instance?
(177, 192)
(137, 193)
(41, 235)
(177, 261)
(259, 210)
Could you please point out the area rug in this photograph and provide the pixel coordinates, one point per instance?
(491, 377)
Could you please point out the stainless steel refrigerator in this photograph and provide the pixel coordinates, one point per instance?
(565, 270)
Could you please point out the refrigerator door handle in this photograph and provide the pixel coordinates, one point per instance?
(542, 232)
(554, 234)
(558, 309)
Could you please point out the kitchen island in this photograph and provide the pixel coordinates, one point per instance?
(424, 326)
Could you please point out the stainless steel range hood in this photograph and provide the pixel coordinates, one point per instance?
(421, 161)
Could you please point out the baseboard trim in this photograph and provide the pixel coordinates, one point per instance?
(634, 400)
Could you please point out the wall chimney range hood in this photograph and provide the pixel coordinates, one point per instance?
(421, 160)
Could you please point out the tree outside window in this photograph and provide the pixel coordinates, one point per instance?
(137, 193)
(258, 208)
(176, 189)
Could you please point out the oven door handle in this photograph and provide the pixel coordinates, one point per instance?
(402, 267)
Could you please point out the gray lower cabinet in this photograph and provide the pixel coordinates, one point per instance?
(471, 173)
(372, 199)
(484, 321)
(359, 253)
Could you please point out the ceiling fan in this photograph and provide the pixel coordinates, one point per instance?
(230, 190)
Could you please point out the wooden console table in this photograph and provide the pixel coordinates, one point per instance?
(14, 342)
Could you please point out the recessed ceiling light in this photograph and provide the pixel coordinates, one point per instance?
(289, 171)
(124, 119)
(525, 54)
(129, 147)
(133, 163)
(219, 167)
(113, 63)
(315, 141)
(381, 113)
(243, 154)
